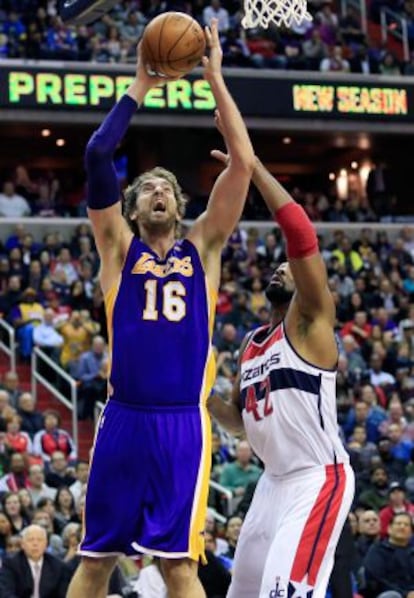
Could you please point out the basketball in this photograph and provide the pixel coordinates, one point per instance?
(173, 44)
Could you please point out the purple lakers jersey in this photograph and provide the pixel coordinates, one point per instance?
(160, 320)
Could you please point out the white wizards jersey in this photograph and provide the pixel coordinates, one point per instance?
(288, 406)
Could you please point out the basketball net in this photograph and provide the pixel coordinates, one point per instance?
(261, 13)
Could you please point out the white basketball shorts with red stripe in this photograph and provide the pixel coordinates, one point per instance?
(288, 539)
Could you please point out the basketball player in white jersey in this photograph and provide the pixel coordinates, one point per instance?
(284, 398)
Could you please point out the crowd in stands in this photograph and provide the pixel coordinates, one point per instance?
(49, 293)
(331, 42)
(41, 193)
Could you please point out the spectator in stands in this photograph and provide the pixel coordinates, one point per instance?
(92, 373)
(263, 51)
(65, 507)
(397, 503)
(132, 28)
(47, 337)
(361, 451)
(233, 527)
(71, 535)
(335, 61)
(27, 314)
(5, 533)
(31, 420)
(351, 350)
(217, 11)
(27, 503)
(389, 65)
(214, 576)
(150, 581)
(14, 511)
(59, 473)
(78, 488)
(401, 449)
(377, 376)
(368, 534)
(65, 264)
(380, 187)
(12, 205)
(32, 571)
(77, 337)
(15, 439)
(77, 298)
(389, 565)
(17, 477)
(11, 385)
(54, 541)
(34, 275)
(236, 476)
(313, 50)
(53, 438)
(376, 496)
(37, 487)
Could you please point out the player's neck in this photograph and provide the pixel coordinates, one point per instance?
(159, 243)
(278, 313)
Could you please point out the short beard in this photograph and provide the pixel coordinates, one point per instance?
(278, 295)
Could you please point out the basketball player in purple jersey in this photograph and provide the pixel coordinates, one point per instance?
(148, 485)
(284, 399)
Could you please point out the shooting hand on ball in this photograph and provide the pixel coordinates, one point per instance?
(212, 63)
(143, 81)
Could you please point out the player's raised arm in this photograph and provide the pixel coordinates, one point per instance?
(229, 193)
(308, 269)
(111, 231)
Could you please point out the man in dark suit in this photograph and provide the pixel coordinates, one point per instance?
(32, 573)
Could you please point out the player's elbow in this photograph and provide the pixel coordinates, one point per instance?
(96, 149)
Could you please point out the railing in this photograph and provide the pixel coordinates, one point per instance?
(9, 349)
(226, 494)
(38, 357)
(392, 23)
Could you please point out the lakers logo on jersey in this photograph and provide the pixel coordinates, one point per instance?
(147, 263)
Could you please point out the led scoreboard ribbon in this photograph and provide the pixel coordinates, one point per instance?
(325, 97)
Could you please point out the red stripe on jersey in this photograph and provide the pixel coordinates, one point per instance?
(254, 350)
(319, 526)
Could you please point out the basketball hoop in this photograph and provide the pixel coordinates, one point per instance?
(262, 13)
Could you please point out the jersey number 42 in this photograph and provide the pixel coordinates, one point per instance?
(252, 400)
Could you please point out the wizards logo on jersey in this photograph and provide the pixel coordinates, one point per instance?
(173, 265)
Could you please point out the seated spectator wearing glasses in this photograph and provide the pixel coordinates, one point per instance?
(389, 565)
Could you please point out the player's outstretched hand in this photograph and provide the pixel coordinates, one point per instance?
(212, 63)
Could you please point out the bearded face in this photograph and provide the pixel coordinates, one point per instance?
(281, 287)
